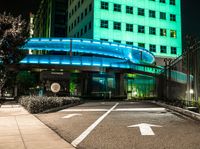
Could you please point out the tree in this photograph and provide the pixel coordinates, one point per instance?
(25, 80)
(13, 34)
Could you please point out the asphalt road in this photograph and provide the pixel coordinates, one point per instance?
(104, 125)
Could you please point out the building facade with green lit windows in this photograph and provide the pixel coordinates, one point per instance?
(107, 46)
(152, 24)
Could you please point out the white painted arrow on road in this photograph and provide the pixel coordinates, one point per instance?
(145, 129)
(72, 115)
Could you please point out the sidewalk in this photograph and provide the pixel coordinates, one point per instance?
(21, 130)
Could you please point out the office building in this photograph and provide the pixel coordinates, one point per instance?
(151, 24)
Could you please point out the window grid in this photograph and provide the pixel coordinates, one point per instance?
(152, 48)
(163, 49)
(141, 12)
(152, 14)
(163, 32)
(173, 50)
(129, 9)
(141, 29)
(129, 27)
(104, 5)
(152, 30)
(117, 7)
(117, 25)
(104, 24)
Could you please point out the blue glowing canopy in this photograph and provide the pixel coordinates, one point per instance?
(133, 54)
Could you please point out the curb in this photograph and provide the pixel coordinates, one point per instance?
(185, 112)
(60, 108)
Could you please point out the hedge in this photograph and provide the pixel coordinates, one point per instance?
(35, 104)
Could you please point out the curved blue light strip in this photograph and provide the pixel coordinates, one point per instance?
(95, 47)
(85, 61)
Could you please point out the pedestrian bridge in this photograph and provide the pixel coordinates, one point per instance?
(87, 52)
(93, 53)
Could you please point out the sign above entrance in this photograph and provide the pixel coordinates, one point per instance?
(55, 87)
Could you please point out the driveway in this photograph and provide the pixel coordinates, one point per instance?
(124, 125)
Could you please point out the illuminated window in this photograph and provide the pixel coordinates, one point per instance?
(163, 49)
(104, 5)
(117, 7)
(173, 33)
(129, 27)
(163, 15)
(142, 45)
(163, 32)
(152, 30)
(162, 1)
(172, 2)
(141, 12)
(152, 14)
(152, 48)
(104, 24)
(129, 9)
(141, 29)
(173, 50)
(117, 25)
(172, 17)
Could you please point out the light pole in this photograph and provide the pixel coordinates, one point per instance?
(167, 75)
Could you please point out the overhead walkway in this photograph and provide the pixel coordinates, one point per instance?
(95, 53)
(92, 53)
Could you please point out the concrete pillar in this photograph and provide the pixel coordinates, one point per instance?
(120, 88)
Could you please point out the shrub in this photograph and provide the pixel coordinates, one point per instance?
(35, 104)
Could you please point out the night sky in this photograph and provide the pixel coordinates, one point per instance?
(190, 12)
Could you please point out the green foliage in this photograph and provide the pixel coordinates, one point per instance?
(25, 80)
(72, 87)
(36, 104)
(13, 34)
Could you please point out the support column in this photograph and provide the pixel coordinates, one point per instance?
(120, 88)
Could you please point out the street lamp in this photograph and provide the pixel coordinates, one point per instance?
(167, 76)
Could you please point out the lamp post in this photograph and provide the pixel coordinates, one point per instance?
(167, 75)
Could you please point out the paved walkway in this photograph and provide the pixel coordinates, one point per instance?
(21, 130)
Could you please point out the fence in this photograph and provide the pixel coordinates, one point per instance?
(179, 83)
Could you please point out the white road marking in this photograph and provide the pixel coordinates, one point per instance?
(72, 115)
(117, 110)
(145, 129)
(142, 109)
(84, 110)
(91, 127)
